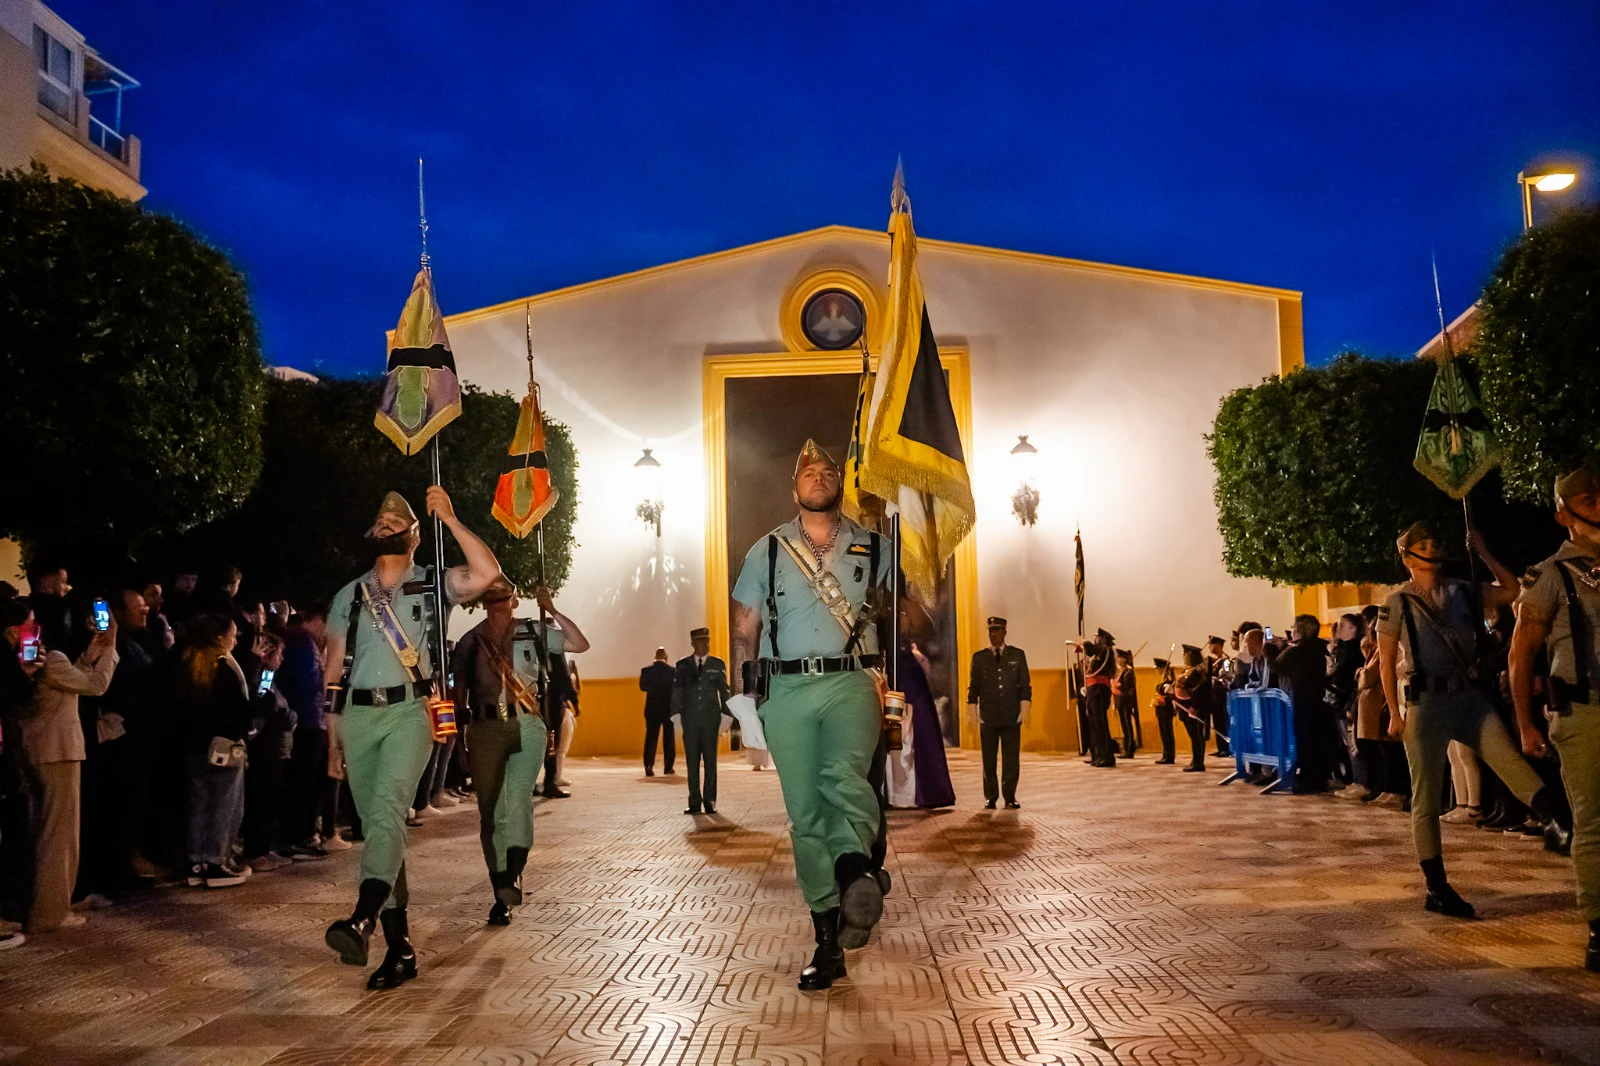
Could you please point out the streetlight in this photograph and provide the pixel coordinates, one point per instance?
(647, 471)
(1025, 501)
(1549, 181)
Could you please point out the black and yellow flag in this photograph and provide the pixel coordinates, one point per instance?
(860, 507)
(1080, 584)
(913, 457)
(524, 494)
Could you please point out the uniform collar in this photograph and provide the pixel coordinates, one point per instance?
(1570, 550)
(848, 531)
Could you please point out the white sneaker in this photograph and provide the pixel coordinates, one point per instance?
(429, 811)
(1390, 800)
(336, 843)
(1352, 792)
(11, 940)
(94, 901)
(1459, 816)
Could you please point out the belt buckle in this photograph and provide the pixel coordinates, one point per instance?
(812, 665)
(380, 697)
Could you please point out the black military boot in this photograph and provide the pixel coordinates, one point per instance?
(860, 899)
(1441, 898)
(1591, 958)
(499, 914)
(827, 964)
(510, 892)
(400, 961)
(1549, 805)
(349, 937)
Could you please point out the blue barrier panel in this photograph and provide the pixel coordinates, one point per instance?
(1261, 733)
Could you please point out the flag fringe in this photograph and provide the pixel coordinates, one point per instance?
(412, 444)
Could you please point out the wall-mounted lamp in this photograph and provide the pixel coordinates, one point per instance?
(647, 470)
(1025, 501)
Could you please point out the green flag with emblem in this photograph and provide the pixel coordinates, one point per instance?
(1457, 446)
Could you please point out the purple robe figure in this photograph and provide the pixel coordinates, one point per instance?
(927, 739)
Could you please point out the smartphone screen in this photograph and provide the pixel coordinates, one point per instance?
(32, 648)
(102, 616)
(1267, 632)
(265, 684)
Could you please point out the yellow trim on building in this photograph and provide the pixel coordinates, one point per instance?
(1291, 335)
(808, 285)
(1134, 273)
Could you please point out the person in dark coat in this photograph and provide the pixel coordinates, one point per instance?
(1099, 673)
(1303, 668)
(700, 699)
(999, 696)
(655, 681)
(1125, 691)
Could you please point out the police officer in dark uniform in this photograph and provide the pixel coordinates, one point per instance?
(700, 699)
(1000, 695)
(1219, 672)
(1165, 711)
(1191, 698)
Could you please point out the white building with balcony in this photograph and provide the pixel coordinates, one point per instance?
(61, 102)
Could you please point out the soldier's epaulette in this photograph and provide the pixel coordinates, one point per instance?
(1530, 578)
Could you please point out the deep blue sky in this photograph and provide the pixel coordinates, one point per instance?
(1328, 151)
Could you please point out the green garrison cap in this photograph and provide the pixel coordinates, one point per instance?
(1585, 480)
(1415, 534)
(395, 504)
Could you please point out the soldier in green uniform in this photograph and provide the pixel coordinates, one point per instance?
(699, 699)
(1559, 609)
(496, 667)
(1436, 620)
(803, 614)
(380, 677)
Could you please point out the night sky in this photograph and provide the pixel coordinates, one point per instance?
(1329, 152)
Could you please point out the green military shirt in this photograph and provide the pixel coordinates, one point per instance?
(376, 665)
(1544, 599)
(806, 628)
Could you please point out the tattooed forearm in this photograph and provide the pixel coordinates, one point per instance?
(745, 636)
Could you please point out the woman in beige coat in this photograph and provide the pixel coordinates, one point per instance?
(52, 742)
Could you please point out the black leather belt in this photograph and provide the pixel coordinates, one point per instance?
(1422, 683)
(822, 664)
(382, 697)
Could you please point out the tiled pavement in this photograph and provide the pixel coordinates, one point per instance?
(1137, 916)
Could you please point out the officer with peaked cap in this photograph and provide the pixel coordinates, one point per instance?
(1219, 670)
(804, 639)
(999, 696)
(1099, 672)
(699, 699)
(1439, 618)
(1125, 691)
(1559, 609)
(380, 676)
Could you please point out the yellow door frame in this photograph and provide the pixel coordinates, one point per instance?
(719, 369)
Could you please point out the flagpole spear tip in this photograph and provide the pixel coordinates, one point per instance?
(897, 196)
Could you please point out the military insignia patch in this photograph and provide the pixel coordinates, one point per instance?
(858, 549)
(1383, 613)
(1530, 578)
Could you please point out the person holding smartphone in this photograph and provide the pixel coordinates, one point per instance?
(52, 740)
(20, 662)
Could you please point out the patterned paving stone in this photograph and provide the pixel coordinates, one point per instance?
(1129, 917)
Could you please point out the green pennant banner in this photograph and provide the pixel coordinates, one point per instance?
(1457, 446)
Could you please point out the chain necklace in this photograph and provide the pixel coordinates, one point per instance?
(380, 600)
(821, 553)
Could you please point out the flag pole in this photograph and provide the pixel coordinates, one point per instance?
(440, 606)
(1449, 356)
(542, 644)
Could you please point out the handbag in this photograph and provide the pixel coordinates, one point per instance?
(225, 753)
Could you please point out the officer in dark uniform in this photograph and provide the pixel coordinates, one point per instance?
(1099, 670)
(700, 699)
(1000, 695)
(1219, 672)
(1165, 711)
(1125, 691)
(1191, 698)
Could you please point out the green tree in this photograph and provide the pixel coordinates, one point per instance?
(1314, 475)
(299, 535)
(1539, 352)
(133, 372)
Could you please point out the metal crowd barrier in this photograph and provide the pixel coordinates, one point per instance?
(1261, 733)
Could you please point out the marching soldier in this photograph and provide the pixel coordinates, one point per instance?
(999, 696)
(380, 677)
(1099, 670)
(699, 699)
(1165, 711)
(1125, 690)
(496, 667)
(1439, 618)
(804, 614)
(1559, 609)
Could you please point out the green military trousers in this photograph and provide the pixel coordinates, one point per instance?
(505, 757)
(822, 732)
(385, 752)
(700, 753)
(1432, 722)
(1577, 739)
